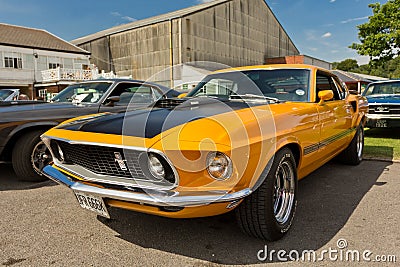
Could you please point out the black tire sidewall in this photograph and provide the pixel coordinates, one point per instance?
(22, 156)
(360, 130)
(255, 214)
(278, 228)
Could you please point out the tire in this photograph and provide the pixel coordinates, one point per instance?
(29, 156)
(269, 211)
(353, 154)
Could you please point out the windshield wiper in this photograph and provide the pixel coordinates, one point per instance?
(253, 96)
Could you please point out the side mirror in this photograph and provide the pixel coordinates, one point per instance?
(110, 101)
(182, 95)
(325, 95)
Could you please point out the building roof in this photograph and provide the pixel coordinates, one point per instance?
(160, 18)
(12, 35)
(371, 77)
(349, 77)
(145, 22)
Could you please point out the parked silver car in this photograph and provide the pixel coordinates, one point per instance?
(9, 94)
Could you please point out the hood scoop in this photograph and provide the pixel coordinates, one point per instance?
(169, 103)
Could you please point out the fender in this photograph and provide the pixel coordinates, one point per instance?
(5, 143)
(19, 128)
(361, 108)
(289, 142)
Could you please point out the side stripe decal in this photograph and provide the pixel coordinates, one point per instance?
(312, 148)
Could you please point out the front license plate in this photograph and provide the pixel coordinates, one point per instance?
(381, 124)
(92, 203)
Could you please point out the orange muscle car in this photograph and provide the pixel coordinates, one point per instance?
(240, 140)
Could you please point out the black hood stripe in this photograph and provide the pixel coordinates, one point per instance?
(150, 122)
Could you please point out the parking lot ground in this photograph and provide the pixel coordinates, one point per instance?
(42, 225)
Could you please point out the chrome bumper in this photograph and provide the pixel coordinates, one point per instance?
(156, 198)
(383, 117)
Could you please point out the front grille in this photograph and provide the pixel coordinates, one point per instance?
(102, 160)
(384, 109)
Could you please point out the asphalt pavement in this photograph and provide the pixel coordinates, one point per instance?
(341, 208)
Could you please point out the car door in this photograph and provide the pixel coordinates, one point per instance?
(334, 116)
(131, 95)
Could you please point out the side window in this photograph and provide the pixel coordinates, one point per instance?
(326, 82)
(340, 88)
(156, 93)
(133, 93)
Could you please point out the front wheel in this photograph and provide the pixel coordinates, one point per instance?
(269, 211)
(29, 156)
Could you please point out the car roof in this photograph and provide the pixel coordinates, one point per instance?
(117, 80)
(387, 81)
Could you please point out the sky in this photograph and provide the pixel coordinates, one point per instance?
(319, 28)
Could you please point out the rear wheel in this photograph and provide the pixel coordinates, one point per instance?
(353, 154)
(29, 156)
(269, 211)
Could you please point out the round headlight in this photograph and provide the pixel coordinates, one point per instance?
(219, 166)
(156, 167)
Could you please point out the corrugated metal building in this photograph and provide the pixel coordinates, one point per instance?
(231, 32)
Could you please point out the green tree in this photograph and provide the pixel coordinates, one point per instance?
(380, 36)
(363, 69)
(346, 65)
(391, 68)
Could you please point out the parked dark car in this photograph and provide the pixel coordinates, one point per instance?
(384, 104)
(22, 123)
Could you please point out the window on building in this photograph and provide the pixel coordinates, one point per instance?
(54, 62)
(13, 62)
(55, 65)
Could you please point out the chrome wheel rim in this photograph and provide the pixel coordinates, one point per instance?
(40, 157)
(284, 190)
(360, 142)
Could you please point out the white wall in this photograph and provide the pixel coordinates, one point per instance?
(32, 66)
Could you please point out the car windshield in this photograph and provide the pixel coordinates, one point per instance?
(269, 84)
(83, 92)
(390, 88)
(4, 94)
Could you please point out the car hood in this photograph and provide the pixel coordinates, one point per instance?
(164, 116)
(14, 112)
(384, 99)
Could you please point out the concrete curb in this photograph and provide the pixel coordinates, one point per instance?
(381, 159)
